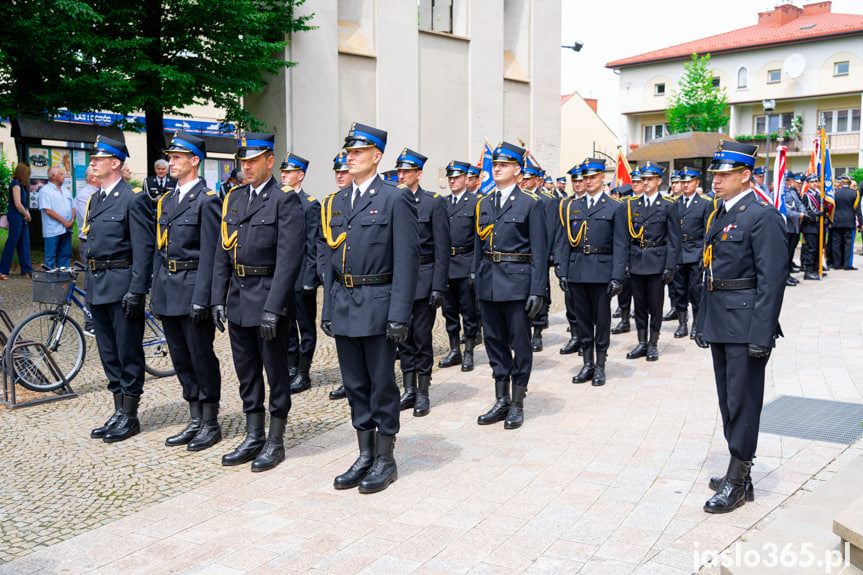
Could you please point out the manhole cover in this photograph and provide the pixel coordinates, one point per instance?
(815, 419)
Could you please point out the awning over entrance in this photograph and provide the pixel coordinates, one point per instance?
(40, 129)
(677, 146)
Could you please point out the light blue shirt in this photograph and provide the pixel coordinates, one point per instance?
(81, 199)
(52, 198)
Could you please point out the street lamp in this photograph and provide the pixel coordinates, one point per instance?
(768, 106)
(576, 46)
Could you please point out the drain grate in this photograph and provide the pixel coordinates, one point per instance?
(815, 419)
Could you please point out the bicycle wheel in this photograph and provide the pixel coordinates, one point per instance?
(45, 350)
(157, 360)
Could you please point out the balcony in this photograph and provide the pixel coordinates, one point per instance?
(803, 145)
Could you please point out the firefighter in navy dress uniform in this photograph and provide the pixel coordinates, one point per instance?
(624, 299)
(846, 214)
(120, 242)
(745, 271)
(512, 272)
(416, 353)
(257, 263)
(560, 239)
(372, 236)
(531, 182)
(187, 231)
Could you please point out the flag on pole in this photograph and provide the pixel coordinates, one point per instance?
(811, 169)
(779, 178)
(826, 175)
(621, 171)
(486, 182)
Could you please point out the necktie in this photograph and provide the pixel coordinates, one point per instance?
(355, 198)
(252, 195)
(103, 194)
(590, 204)
(498, 201)
(454, 200)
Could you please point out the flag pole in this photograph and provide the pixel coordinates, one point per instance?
(821, 226)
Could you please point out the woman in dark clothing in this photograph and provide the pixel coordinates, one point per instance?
(19, 218)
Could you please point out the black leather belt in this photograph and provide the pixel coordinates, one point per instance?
(243, 270)
(426, 259)
(505, 257)
(177, 265)
(741, 283)
(107, 264)
(688, 238)
(645, 244)
(457, 251)
(350, 281)
(595, 250)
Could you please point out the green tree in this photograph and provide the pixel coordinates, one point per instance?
(698, 106)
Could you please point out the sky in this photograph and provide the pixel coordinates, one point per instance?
(614, 29)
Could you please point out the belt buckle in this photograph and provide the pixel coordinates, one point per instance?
(642, 244)
(172, 265)
(241, 270)
(709, 284)
(92, 265)
(349, 280)
(452, 251)
(495, 257)
(586, 250)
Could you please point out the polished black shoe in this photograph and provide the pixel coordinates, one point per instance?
(195, 419)
(622, 326)
(383, 471)
(409, 397)
(811, 275)
(652, 349)
(795, 268)
(670, 315)
(682, 328)
(453, 358)
(274, 448)
(850, 268)
(467, 359)
(293, 363)
(210, 432)
(253, 443)
(617, 313)
(128, 425)
(732, 492)
(422, 406)
(515, 415)
(338, 393)
(302, 381)
(588, 369)
(599, 372)
(748, 489)
(790, 281)
(352, 477)
(536, 340)
(100, 432)
(572, 346)
(501, 406)
(639, 350)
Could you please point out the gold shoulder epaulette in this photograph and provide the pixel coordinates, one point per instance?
(310, 198)
(530, 195)
(667, 199)
(618, 200)
(703, 197)
(401, 186)
(287, 189)
(136, 190)
(437, 195)
(234, 188)
(211, 193)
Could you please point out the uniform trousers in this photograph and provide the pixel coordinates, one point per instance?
(416, 352)
(368, 374)
(647, 293)
(253, 355)
(593, 308)
(809, 252)
(687, 282)
(740, 387)
(191, 347)
(507, 340)
(843, 243)
(793, 240)
(460, 300)
(121, 348)
(624, 298)
(570, 312)
(828, 245)
(302, 329)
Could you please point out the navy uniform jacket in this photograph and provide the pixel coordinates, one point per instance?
(693, 225)
(748, 242)
(434, 242)
(847, 208)
(189, 232)
(551, 205)
(120, 227)
(380, 237)
(267, 232)
(604, 227)
(660, 224)
(519, 228)
(793, 209)
(811, 224)
(155, 191)
(462, 229)
(312, 217)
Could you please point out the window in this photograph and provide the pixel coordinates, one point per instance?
(435, 15)
(659, 89)
(840, 68)
(774, 76)
(715, 82)
(777, 121)
(654, 131)
(742, 77)
(841, 121)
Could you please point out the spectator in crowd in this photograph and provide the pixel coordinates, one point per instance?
(58, 217)
(18, 216)
(126, 172)
(235, 178)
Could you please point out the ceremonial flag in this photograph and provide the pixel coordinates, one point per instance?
(826, 175)
(811, 169)
(779, 178)
(621, 171)
(486, 182)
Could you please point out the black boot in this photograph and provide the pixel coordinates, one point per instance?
(100, 432)
(599, 373)
(670, 315)
(128, 424)
(652, 350)
(617, 313)
(454, 356)
(811, 274)
(748, 489)
(501, 406)
(338, 393)
(623, 325)
(192, 428)
(515, 416)
(694, 319)
(274, 448)
(572, 346)
(408, 398)
(422, 406)
(210, 433)
(639, 350)
(536, 340)
(732, 491)
(293, 362)
(682, 320)
(467, 360)
(588, 370)
(383, 470)
(251, 445)
(352, 477)
(302, 381)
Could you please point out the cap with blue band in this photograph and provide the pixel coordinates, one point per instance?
(106, 147)
(410, 160)
(731, 155)
(188, 144)
(294, 162)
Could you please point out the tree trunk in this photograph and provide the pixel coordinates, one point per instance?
(153, 110)
(154, 121)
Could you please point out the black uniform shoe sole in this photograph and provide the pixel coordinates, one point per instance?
(268, 466)
(597, 383)
(379, 488)
(300, 389)
(721, 510)
(116, 438)
(204, 446)
(248, 458)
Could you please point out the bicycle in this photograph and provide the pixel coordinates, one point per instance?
(46, 350)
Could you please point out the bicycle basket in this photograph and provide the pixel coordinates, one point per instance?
(52, 287)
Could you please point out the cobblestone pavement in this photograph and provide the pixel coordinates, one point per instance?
(599, 480)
